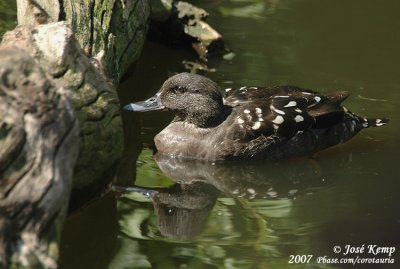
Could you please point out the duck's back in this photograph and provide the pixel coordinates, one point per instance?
(286, 121)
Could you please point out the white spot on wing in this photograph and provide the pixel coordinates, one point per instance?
(252, 191)
(227, 90)
(317, 98)
(258, 110)
(256, 125)
(246, 111)
(240, 120)
(276, 110)
(298, 118)
(291, 103)
(298, 110)
(278, 120)
(306, 93)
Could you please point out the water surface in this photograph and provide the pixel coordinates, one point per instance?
(257, 214)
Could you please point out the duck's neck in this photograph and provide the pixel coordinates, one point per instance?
(208, 117)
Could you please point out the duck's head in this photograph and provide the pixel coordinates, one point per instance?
(193, 98)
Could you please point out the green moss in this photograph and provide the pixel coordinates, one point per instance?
(8, 15)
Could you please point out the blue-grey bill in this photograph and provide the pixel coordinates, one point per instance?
(153, 103)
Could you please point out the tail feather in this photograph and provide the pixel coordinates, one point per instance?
(375, 122)
(366, 122)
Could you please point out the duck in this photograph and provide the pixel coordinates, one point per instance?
(249, 122)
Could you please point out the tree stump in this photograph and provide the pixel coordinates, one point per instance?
(94, 99)
(38, 149)
(116, 30)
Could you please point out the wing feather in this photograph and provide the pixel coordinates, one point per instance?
(283, 110)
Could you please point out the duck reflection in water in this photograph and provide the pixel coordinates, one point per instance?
(182, 209)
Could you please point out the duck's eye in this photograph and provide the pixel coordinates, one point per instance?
(179, 89)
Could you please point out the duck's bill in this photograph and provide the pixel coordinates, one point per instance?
(142, 190)
(153, 103)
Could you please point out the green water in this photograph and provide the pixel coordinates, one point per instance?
(255, 215)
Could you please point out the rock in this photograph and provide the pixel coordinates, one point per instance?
(38, 150)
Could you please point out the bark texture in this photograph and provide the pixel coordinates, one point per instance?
(116, 29)
(38, 150)
(50, 88)
(94, 97)
(111, 34)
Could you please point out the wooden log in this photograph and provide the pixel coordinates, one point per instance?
(94, 99)
(39, 143)
(180, 23)
(116, 30)
(112, 33)
(38, 150)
